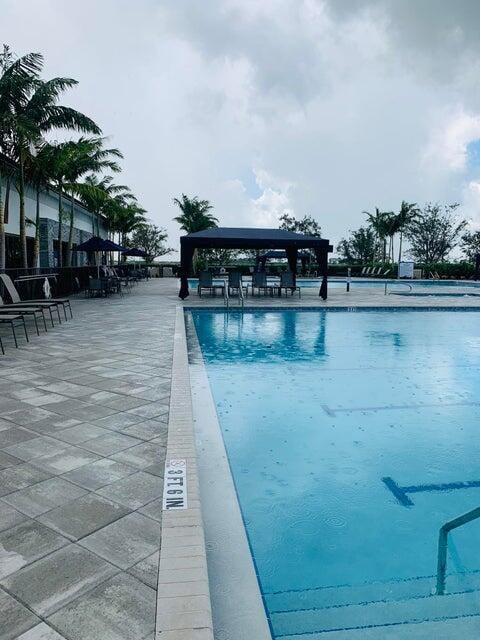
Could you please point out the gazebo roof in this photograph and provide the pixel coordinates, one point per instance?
(245, 238)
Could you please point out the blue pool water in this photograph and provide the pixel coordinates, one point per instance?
(318, 409)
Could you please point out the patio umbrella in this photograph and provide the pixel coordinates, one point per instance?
(135, 253)
(96, 244)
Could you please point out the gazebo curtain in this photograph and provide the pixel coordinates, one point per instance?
(186, 263)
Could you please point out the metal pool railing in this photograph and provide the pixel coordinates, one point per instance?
(226, 299)
(241, 299)
(443, 541)
(403, 284)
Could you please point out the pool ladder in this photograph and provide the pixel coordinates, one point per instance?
(226, 297)
(445, 529)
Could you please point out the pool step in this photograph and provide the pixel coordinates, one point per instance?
(368, 592)
(320, 612)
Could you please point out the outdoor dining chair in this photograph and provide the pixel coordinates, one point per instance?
(259, 282)
(287, 282)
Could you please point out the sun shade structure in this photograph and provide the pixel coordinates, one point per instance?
(261, 239)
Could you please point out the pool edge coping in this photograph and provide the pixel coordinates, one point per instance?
(183, 607)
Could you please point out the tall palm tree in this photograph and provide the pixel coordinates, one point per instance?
(33, 116)
(38, 172)
(95, 193)
(17, 79)
(380, 223)
(126, 218)
(195, 214)
(408, 212)
(83, 156)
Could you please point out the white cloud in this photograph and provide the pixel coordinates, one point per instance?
(450, 136)
(335, 106)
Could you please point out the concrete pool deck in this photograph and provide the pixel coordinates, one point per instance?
(83, 437)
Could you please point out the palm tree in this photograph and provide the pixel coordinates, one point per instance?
(39, 173)
(126, 218)
(34, 115)
(408, 212)
(17, 78)
(83, 156)
(195, 214)
(380, 223)
(95, 193)
(195, 217)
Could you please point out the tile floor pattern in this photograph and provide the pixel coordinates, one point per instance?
(83, 429)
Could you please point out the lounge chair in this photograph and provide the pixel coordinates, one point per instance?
(259, 281)
(386, 272)
(11, 320)
(205, 281)
(362, 273)
(235, 281)
(24, 311)
(287, 282)
(48, 304)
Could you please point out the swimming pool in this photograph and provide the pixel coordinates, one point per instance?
(340, 283)
(352, 437)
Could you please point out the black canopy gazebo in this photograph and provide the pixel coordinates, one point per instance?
(233, 238)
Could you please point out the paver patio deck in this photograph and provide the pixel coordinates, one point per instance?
(83, 431)
(83, 428)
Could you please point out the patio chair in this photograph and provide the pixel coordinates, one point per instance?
(287, 282)
(24, 311)
(51, 303)
(259, 281)
(205, 281)
(235, 281)
(14, 321)
(122, 279)
(97, 286)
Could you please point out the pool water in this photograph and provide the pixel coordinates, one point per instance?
(349, 436)
(355, 283)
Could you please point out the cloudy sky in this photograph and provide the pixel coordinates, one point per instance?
(325, 107)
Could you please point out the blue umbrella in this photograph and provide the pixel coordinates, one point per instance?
(96, 244)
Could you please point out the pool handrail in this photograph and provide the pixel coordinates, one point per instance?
(241, 300)
(226, 299)
(445, 529)
(395, 282)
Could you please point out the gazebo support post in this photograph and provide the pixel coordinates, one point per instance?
(292, 255)
(322, 259)
(186, 262)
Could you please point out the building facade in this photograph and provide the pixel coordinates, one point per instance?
(84, 226)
